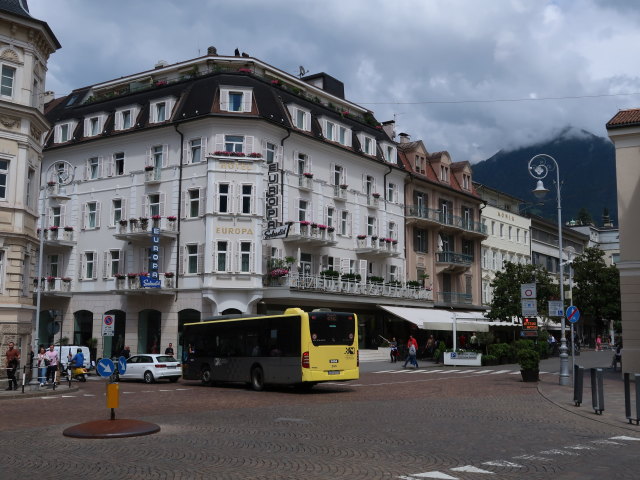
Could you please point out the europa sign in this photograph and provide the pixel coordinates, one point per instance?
(273, 198)
(153, 280)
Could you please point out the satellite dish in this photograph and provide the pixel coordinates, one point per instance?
(61, 172)
(303, 72)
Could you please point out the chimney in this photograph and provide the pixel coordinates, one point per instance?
(389, 128)
(160, 64)
(212, 50)
(48, 96)
(405, 138)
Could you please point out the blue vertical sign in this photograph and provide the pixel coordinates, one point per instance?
(153, 280)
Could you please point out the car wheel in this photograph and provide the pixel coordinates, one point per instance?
(257, 379)
(205, 376)
(173, 379)
(148, 377)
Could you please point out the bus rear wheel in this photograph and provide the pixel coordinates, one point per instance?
(257, 379)
(205, 376)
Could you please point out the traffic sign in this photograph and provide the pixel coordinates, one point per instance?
(105, 367)
(108, 325)
(529, 308)
(122, 365)
(573, 314)
(528, 290)
(556, 309)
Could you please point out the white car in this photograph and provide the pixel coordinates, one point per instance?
(151, 367)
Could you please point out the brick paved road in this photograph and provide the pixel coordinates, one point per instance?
(449, 425)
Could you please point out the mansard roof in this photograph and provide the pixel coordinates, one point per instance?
(198, 98)
(20, 9)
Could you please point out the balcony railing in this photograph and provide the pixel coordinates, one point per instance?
(454, 258)
(307, 233)
(139, 231)
(446, 219)
(454, 298)
(58, 237)
(305, 183)
(54, 285)
(339, 192)
(381, 246)
(338, 285)
(373, 201)
(131, 284)
(152, 176)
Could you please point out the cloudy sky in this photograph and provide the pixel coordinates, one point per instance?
(467, 76)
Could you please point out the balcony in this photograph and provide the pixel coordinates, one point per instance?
(55, 286)
(138, 231)
(373, 201)
(453, 298)
(340, 192)
(341, 286)
(130, 285)
(453, 223)
(58, 237)
(377, 247)
(308, 234)
(152, 176)
(453, 261)
(305, 183)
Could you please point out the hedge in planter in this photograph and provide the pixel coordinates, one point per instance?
(529, 360)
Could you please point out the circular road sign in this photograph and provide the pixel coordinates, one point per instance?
(573, 314)
(105, 367)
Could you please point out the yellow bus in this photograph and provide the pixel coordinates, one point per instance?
(294, 348)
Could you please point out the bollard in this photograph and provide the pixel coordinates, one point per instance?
(627, 398)
(578, 384)
(597, 390)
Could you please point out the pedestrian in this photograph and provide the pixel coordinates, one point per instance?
(12, 355)
(430, 346)
(169, 349)
(52, 367)
(41, 363)
(394, 350)
(463, 340)
(598, 343)
(126, 352)
(473, 341)
(412, 349)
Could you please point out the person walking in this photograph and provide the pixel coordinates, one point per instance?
(12, 355)
(126, 352)
(41, 363)
(412, 349)
(169, 349)
(598, 343)
(393, 344)
(52, 368)
(430, 346)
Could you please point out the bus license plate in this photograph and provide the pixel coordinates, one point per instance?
(334, 372)
(334, 360)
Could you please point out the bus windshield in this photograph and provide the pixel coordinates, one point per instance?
(331, 328)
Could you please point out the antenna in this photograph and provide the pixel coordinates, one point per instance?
(302, 72)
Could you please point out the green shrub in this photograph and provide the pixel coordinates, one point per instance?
(523, 345)
(489, 360)
(528, 358)
(502, 351)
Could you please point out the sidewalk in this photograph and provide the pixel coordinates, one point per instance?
(35, 390)
(613, 385)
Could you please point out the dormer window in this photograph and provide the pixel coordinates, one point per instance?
(336, 133)
(63, 132)
(444, 173)
(389, 152)
(420, 164)
(161, 110)
(125, 118)
(466, 181)
(368, 144)
(301, 118)
(235, 99)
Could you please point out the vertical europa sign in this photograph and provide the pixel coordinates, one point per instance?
(153, 280)
(274, 193)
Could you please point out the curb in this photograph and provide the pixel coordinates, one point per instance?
(17, 394)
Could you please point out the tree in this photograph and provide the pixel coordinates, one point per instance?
(584, 217)
(597, 291)
(506, 290)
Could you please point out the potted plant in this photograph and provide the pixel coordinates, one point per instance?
(414, 284)
(529, 360)
(148, 168)
(168, 279)
(374, 279)
(144, 222)
(330, 273)
(308, 174)
(375, 195)
(344, 186)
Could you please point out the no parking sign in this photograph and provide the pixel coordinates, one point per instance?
(108, 325)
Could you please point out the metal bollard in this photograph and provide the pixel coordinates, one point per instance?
(578, 384)
(627, 398)
(597, 390)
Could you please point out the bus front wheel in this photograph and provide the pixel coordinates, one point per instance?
(257, 379)
(205, 376)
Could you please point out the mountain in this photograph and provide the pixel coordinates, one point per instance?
(587, 175)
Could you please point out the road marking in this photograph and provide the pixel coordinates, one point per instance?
(433, 474)
(467, 371)
(500, 372)
(483, 371)
(580, 447)
(633, 439)
(128, 392)
(532, 457)
(606, 442)
(88, 395)
(182, 389)
(557, 451)
(386, 371)
(68, 396)
(432, 371)
(502, 463)
(471, 469)
(161, 390)
(449, 371)
(514, 373)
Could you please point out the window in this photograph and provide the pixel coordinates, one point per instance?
(93, 168)
(223, 197)
(345, 223)
(302, 163)
(517, 235)
(54, 265)
(466, 181)
(245, 257)
(154, 204)
(56, 216)
(157, 157)
(29, 194)
(371, 226)
(114, 257)
(329, 130)
(467, 217)
(247, 194)
(336, 133)
(4, 174)
(502, 230)
(392, 192)
(526, 238)
(467, 247)
(343, 136)
(193, 207)
(222, 256)
(192, 258)
(302, 210)
(420, 164)
(330, 214)
(64, 133)
(233, 143)
(493, 228)
(393, 273)
(444, 173)
(125, 119)
(510, 232)
(118, 164)
(369, 185)
(89, 265)
(117, 211)
(393, 230)
(420, 243)
(6, 83)
(338, 175)
(368, 145)
(494, 260)
(301, 118)
(233, 99)
(94, 126)
(91, 215)
(160, 112)
(195, 150)
(270, 152)
(390, 154)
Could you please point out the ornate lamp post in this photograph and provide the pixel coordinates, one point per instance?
(539, 167)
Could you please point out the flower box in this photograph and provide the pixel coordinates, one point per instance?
(375, 195)
(361, 237)
(149, 168)
(344, 186)
(308, 175)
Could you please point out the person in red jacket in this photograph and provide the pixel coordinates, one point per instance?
(412, 348)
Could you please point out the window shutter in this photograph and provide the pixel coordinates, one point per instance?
(400, 274)
(105, 264)
(219, 142)
(111, 167)
(203, 148)
(246, 102)
(50, 218)
(309, 164)
(344, 265)
(185, 204)
(186, 152)
(82, 266)
(215, 256)
(165, 155)
(98, 208)
(200, 258)
(149, 157)
(332, 168)
(145, 206)
(232, 203)
(362, 269)
(87, 170)
(324, 262)
(181, 257)
(102, 169)
(125, 212)
(345, 177)
(63, 215)
(202, 205)
(279, 153)
(162, 202)
(83, 216)
(252, 267)
(248, 144)
(123, 262)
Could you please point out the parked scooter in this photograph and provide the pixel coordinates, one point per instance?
(76, 373)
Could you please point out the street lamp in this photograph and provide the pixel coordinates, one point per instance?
(539, 167)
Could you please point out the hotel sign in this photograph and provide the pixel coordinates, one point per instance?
(273, 203)
(153, 279)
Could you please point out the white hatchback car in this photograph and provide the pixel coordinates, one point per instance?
(151, 367)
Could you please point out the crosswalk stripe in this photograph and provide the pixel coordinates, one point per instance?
(431, 371)
(483, 371)
(499, 372)
(449, 371)
(471, 469)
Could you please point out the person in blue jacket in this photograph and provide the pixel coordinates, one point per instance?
(78, 360)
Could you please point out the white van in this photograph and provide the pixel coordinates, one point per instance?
(63, 354)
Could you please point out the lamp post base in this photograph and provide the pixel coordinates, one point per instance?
(564, 362)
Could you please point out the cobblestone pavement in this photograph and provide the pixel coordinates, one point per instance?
(434, 425)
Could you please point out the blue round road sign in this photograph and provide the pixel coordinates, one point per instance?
(573, 314)
(122, 365)
(105, 367)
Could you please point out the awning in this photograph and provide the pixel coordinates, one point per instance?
(438, 319)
